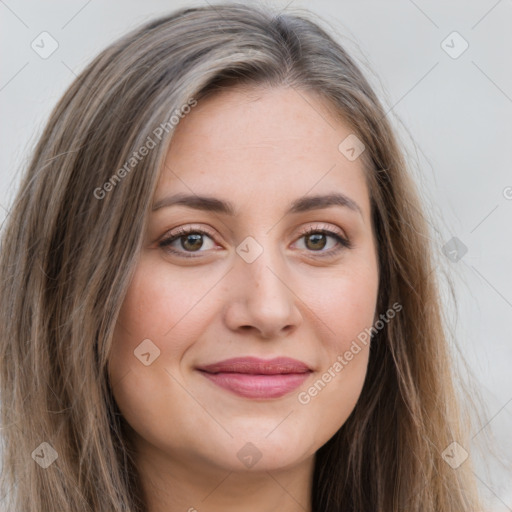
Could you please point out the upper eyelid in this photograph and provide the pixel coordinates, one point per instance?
(321, 226)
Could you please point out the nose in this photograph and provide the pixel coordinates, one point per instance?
(262, 298)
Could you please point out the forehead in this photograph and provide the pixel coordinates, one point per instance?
(272, 142)
(277, 117)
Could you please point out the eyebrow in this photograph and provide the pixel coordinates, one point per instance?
(212, 204)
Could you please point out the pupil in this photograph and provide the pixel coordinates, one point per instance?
(196, 242)
(317, 237)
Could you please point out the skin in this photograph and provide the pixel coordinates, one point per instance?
(259, 149)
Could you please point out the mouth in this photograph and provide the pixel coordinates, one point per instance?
(256, 378)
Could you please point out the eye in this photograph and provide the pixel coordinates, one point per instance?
(316, 239)
(188, 239)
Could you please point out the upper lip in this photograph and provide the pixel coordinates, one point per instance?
(256, 366)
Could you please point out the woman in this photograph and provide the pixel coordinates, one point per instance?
(217, 288)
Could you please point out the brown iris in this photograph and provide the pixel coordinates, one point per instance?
(318, 241)
(192, 242)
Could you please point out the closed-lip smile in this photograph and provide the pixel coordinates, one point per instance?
(252, 377)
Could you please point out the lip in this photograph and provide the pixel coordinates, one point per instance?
(251, 377)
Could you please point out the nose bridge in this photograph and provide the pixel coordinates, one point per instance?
(263, 296)
(263, 268)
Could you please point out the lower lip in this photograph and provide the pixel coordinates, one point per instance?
(258, 386)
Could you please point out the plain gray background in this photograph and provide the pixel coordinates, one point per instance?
(451, 107)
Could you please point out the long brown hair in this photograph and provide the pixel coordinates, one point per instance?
(71, 242)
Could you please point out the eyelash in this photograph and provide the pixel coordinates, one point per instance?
(343, 243)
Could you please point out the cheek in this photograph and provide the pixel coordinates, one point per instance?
(347, 306)
(162, 307)
(155, 309)
(336, 389)
(166, 310)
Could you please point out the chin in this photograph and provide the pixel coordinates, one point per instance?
(259, 448)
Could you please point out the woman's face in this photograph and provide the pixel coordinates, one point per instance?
(229, 344)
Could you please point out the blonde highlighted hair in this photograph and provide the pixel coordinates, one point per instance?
(67, 257)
